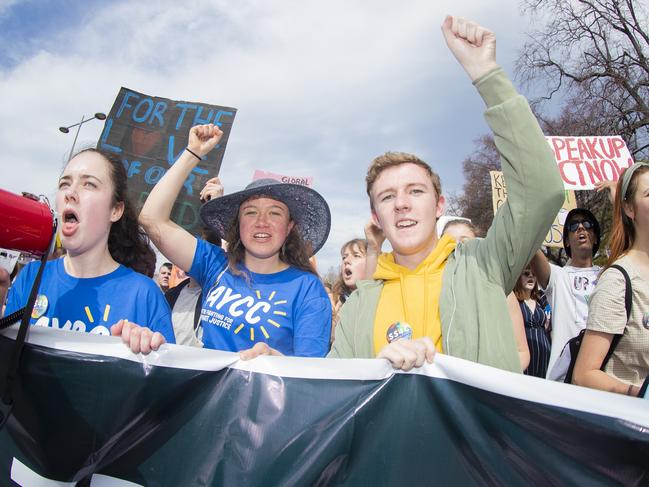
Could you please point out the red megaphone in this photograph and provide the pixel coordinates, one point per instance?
(26, 223)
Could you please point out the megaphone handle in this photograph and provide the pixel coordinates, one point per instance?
(9, 320)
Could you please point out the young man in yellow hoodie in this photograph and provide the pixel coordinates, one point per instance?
(433, 294)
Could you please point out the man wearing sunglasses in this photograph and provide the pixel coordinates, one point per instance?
(568, 288)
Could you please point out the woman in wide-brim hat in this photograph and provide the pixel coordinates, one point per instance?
(262, 296)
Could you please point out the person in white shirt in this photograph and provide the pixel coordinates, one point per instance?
(568, 288)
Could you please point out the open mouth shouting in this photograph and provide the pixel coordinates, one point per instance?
(583, 237)
(405, 223)
(348, 275)
(70, 222)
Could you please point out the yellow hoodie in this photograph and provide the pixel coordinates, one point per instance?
(411, 295)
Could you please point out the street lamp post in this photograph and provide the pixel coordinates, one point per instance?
(65, 130)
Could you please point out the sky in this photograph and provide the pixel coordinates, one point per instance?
(321, 88)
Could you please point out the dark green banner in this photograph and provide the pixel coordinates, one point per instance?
(174, 419)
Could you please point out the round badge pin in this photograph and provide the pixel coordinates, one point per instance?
(40, 306)
(399, 329)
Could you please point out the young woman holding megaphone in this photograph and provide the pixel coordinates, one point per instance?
(94, 288)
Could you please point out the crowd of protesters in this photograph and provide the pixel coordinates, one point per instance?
(249, 286)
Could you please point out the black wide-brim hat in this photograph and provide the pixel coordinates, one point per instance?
(588, 214)
(308, 209)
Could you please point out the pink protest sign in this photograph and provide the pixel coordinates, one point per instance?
(584, 161)
(304, 181)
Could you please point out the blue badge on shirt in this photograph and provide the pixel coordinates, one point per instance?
(397, 330)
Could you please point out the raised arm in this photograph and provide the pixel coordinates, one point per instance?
(375, 238)
(212, 189)
(611, 186)
(472, 45)
(534, 185)
(541, 268)
(176, 243)
(519, 330)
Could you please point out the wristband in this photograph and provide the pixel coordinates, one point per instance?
(629, 390)
(193, 153)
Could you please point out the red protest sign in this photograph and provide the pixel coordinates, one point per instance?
(584, 161)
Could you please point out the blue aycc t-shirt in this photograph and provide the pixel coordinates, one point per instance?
(289, 310)
(93, 304)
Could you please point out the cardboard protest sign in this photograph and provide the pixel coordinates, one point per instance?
(584, 161)
(498, 189)
(304, 181)
(554, 238)
(149, 133)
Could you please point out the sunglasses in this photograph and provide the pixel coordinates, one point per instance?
(574, 225)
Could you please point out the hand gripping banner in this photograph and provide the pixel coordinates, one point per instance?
(88, 411)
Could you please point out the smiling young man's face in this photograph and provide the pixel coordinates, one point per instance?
(406, 207)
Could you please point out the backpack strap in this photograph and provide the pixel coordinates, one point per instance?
(628, 301)
(628, 291)
(575, 342)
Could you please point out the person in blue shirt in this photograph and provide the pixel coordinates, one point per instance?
(262, 296)
(94, 288)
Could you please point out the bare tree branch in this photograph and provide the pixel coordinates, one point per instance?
(594, 53)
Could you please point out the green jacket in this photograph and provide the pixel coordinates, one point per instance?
(481, 272)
